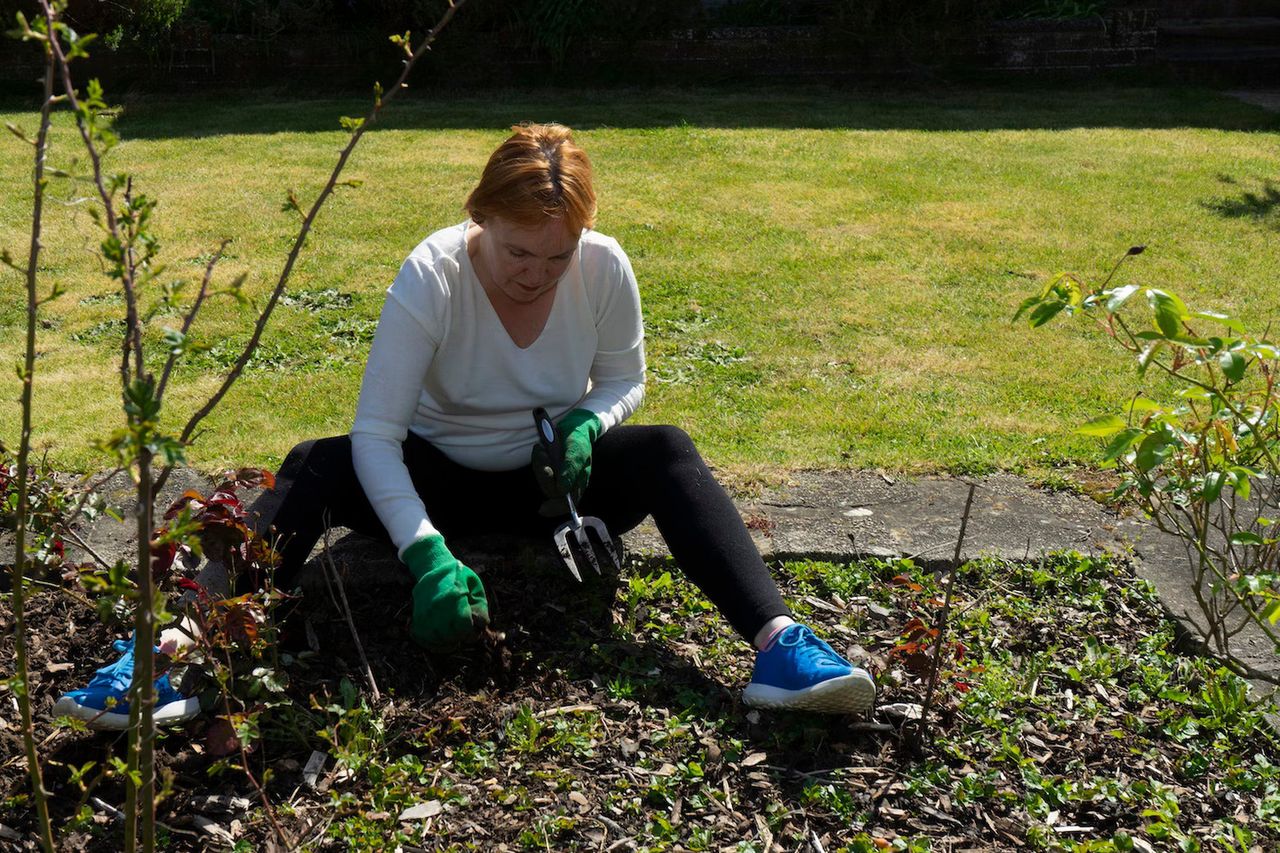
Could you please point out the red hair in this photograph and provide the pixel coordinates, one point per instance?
(537, 173)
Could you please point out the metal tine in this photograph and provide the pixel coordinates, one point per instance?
(584, 542)
(566, 553)
(597, 527)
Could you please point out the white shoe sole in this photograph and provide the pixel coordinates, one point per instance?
(171, 714)
(847, 694)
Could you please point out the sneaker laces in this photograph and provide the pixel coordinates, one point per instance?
(811, 647)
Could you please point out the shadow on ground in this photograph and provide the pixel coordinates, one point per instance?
(1249, 204)
(1015, 107)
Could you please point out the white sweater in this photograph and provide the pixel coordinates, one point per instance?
(443, 365)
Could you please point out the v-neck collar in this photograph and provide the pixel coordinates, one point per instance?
(470, 270)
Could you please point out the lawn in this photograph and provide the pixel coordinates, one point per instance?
(827, 276)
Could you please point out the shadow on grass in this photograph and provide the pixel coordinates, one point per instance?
(1013, 107)
(1259, 205)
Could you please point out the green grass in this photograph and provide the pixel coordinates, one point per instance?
(827, 276)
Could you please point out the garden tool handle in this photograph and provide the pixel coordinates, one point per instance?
(549, 438)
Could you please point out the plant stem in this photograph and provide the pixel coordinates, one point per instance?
(24, 452)
(142, 691)
(941, 639)
(260, 326)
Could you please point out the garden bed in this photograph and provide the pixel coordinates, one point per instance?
(1065, 720)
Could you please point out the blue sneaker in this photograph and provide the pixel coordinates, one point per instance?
(800, 671)
(93, 703)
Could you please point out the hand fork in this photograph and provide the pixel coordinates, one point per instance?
(577, 526)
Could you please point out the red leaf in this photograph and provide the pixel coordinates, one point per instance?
(162, 557)
(188, 497)
(220, 738)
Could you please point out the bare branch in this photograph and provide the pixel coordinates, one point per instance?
(190, 317)
(39, 795)
(108, 202)
(234, 373)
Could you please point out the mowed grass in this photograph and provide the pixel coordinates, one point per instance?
(827, 276)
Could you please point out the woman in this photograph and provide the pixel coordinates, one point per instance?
(521, 306)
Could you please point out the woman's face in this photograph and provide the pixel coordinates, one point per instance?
(525, 263)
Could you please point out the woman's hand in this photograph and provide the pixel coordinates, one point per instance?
(449, 604)
(578, 430)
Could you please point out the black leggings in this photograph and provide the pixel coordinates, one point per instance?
(636, 471)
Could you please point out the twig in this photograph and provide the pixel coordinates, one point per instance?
(75, 539)
(922, 731)
(346, 612)
(38, 793)
(301, 239)
(191, 316)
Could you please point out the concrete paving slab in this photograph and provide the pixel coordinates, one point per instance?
(827, 515)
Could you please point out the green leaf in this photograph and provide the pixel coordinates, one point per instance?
(1239, 478)
(1218, 317)
(1045, 312)
(1120, 445)
(1272, 611)
(1266, 351)
(1232, 364)
(1213, 483)
(1102, 426)
(1119, 296)
(351, 125)
(1154, 450)
(1244, 537)
(1027, 303)
(1144, 359)
(1169, 312)
(1142, 404)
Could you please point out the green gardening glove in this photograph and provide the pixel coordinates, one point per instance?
(449, 605)
(578, 430)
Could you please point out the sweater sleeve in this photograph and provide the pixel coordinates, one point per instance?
(403, 347)
(617, 371)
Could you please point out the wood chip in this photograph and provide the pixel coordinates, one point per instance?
(422, 811)
(212, 828)
(311, 772)
(766, 837)
(565, 709)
